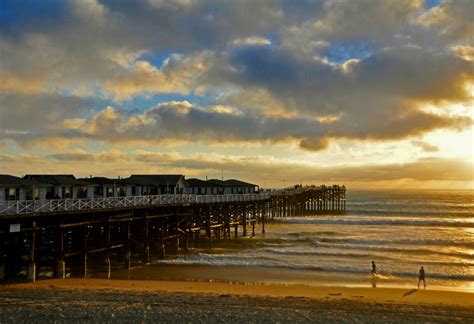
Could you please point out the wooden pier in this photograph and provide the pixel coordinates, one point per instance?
(311, 200)
(72, 236)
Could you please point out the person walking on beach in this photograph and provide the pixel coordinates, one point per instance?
(422, 277)
(374, 269)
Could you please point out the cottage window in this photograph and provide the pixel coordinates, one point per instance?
(32, 194)
(99, 191)
(12, 194)
(66, 192)
(122, 192)
(81, 192)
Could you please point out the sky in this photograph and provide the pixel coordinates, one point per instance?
(366, 93)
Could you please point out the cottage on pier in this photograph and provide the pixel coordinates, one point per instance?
(233, 186)
(16, 188)
(157, 184)
(201, 187)
(63, 186)
(219, 187)
(106, 187)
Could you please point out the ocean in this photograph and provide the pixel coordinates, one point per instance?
(399, 230)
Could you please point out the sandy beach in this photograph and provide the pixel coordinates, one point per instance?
(166, 301)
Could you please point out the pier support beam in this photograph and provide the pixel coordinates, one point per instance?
(244, 222)
(146, 238)
(84, 251)
(162, 240)
(127, 253)
(107, 258)
(60, 263)
(61, 269)
(31, 270)
(2, 272)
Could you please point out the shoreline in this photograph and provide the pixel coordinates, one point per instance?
(270, 275)
(382, 295)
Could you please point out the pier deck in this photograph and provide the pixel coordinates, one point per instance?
(69, 236)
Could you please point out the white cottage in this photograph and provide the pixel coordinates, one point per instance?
(63, 186)
(201, 187)
(219, 187)
(157, 184)
(16, 188)
(106, 187)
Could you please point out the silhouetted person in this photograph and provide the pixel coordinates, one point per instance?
(422, 277)
(373, 272)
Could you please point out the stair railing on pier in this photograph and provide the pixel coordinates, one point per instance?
(66, 205)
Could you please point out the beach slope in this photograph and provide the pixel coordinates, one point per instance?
(168, 301)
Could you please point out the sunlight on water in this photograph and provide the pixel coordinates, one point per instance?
(400, 231)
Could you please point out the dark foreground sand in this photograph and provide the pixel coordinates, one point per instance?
(92, 300)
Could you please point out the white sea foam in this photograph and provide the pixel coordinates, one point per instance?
(446, 222)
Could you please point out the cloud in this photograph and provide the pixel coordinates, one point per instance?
(251, 41)
(452, 18)
(24, 84)
(77, 74)
(36, 116)
(426, 147)
(182, 121)
(111, 156)
(265, 170)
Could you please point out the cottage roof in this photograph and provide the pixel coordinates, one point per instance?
(216, 182)
(230, 183)
(101, 180)
(57, 179)
(10, 181)
(155, 179)
(238, 183)
(198, 183)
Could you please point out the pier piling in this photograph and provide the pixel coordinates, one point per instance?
(79, 242)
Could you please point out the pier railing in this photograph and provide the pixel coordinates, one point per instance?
(67, 205)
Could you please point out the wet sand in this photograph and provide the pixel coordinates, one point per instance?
(274, 275)
(101, 300)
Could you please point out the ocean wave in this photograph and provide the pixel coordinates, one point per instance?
(377, 221)
(253, 261)
(401, 250)
(371, 256)
(236, 261)
(416, 242)
(463, 213)
(321, 253)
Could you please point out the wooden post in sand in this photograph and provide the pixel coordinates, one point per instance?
(244, 221)
(107, 259)
(177, 231)
(128, 253)
(208, 227)
(84, 251)
(332, 199)
(187, 229)
(146, 239)
(162, 239)
(254, 219)
(60, 263)
(31, 271)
